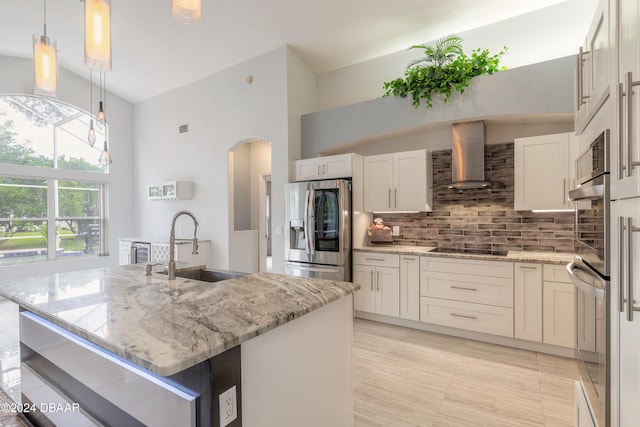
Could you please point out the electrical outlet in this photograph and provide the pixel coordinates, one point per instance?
(396, 230)
(228, 406)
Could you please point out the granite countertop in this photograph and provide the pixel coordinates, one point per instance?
(511, 256)
(160, 241)
(165, 326)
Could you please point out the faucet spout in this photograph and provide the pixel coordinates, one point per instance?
(172, 241)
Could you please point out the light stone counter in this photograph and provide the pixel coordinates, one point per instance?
(513, 256)
(169, 326)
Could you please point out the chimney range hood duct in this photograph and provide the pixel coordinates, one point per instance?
(467, 157)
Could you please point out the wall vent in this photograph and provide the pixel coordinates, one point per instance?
(183, 129)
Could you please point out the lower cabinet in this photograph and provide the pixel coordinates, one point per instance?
(479, 302)
(379, 278)
(124, 253)
(544, 306)
(410, 287)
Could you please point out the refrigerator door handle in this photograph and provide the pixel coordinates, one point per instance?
(307, 226)
(310, 220)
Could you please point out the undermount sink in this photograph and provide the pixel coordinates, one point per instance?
(209, 274)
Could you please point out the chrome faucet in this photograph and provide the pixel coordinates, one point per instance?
(172, 242)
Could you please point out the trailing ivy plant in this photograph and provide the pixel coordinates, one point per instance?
(444, 68)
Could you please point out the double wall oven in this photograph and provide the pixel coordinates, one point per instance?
(318, 229)
(590, 272)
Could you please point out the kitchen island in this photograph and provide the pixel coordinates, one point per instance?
(284, 343)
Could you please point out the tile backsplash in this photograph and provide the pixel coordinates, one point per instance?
(482, 219)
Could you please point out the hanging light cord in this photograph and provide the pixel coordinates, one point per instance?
(45, 19)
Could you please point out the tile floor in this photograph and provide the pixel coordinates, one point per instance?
(407, 377)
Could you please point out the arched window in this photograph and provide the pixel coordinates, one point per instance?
(52, 187)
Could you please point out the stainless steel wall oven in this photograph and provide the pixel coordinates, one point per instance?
(590, 272)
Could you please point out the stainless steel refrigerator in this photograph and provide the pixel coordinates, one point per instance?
(318, 229)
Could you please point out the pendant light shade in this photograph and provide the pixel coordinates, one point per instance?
(187, 11)
(97, 34)
(45, 63)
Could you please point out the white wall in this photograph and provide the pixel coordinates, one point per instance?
(16, 76)
(222, 110)
(530, 38)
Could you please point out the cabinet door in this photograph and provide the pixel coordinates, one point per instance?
(339, 166)
(409, 191)
(388, 291)
(410, 287)
(625, 150)
(625, 279)
(541, 168)
(528, 302)
(559, 314)
(598, 58)
(365, 298)
(307, 169)
(378, 183)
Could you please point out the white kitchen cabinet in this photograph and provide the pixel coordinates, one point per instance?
(328, 167)
(398, 182)
(410, 287)
(625, 149)
(625, 303)
(528, 301)
(593, 68)
(558, 314)
(542, 169)
(480, 299)
(124, 252)
(379, 278)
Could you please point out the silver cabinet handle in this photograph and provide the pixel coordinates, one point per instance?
(579, 79)
(464, 316)
(371, 280)
(621, 247)
(581, 96)
(375, 259)
(629, 236)
(395, 197)
(564, 191)
(523, 267)
(324, 168)
(629, 164)
(462, 288)
(621, 133)
(319, 172)
(377, 280)
(389, 197)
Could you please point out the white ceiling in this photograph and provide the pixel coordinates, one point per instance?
(153, 53)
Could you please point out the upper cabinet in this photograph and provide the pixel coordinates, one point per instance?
(543, 172)
(329, 167)
(398, 182)
(592, 69)
(625, 149)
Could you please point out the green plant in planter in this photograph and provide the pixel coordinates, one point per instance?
(445, 68)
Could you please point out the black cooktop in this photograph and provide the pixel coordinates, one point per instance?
(468, 251)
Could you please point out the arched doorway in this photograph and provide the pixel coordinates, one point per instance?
(249, 164)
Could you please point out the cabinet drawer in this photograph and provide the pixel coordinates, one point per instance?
(462, 287)
(463, 315)
(555, 273)
(376, 259)
(471, 266)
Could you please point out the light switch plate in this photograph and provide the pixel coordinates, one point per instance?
(396, 230)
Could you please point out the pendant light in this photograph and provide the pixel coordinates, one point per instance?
(187, 11)
(105, 156)
(97, 34)
(91, 136)
(101, 116)
(45, 62)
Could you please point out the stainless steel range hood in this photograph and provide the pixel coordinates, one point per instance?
(467, 157)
